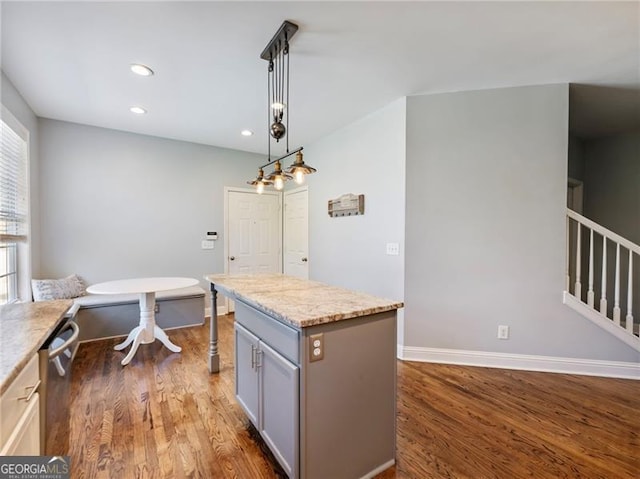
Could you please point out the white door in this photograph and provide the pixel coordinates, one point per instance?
(296, 233)
(254, 232)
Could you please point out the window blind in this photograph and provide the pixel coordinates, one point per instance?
(13, 186)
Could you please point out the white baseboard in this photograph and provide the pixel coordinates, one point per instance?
(587, 367)
(222, 310)
(379, 469)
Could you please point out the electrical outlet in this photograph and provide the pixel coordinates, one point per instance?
(503, 332)
(393, 249)
(316, 347)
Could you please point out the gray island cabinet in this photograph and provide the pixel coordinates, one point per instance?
(315, 370)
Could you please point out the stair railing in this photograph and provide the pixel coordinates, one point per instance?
(625, 251)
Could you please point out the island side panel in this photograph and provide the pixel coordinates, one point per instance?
(348, 398)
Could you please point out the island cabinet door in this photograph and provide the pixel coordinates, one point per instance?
(247, 391)
(279, 413)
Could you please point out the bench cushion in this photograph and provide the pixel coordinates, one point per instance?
(65, 288)
(98, 300)
(109, 315)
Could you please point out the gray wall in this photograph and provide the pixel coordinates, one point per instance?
(14, 102)
(485, 226)
(612, 199)
(366, 157)
(121, 205)
(612, 183)
(576, 158)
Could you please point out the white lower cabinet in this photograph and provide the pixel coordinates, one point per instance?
(25, 438)
(20, 414)
(267, 388)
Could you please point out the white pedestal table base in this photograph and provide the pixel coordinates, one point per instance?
(147, 332)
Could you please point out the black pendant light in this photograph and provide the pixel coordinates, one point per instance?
(276, 53)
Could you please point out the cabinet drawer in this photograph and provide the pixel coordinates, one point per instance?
(13, 402)
(279, 336)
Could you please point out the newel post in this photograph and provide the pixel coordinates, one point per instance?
(214, 358)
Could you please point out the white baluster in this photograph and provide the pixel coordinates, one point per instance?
(629, 317)
(603, 296)
(578, 288)
(568, 280)
(616, 289)
(590, 290)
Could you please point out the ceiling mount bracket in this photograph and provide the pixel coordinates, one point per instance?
(279, 41)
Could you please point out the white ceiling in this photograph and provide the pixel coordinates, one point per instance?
(70, 60)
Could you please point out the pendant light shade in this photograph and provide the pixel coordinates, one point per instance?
(278, 177)
(260, 182)
(299, 169)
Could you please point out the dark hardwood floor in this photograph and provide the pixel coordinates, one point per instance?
(165, 416)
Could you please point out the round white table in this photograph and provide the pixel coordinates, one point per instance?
(148, 331)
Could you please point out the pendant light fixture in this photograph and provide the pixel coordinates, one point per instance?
(299, 169)
(276, 53)
(278, 176)
(260, 182)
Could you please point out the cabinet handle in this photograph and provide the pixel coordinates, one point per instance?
(258, 358)
(33, 388)
(253, 357)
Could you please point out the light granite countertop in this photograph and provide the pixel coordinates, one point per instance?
(24, 327)
(299, 302)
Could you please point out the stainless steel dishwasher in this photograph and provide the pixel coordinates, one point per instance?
(56, 357)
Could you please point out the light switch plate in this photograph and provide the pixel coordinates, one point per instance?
(393, 249)
(207, 244)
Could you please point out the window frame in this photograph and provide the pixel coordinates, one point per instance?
(19, 272)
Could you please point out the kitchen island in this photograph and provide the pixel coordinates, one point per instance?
(315, 370)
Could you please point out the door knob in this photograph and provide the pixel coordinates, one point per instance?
(304, 260)
(232, 258)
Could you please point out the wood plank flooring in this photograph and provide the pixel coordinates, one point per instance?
(165, 416)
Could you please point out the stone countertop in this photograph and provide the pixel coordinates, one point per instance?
(299, 302)
(24, 327)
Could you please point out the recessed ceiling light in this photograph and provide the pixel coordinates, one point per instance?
(246, 133)
(141, 70)
(138, 110)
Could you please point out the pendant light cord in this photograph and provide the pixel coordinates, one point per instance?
(286, 52)
(269, 73)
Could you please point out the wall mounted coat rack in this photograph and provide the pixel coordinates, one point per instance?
(347, 205)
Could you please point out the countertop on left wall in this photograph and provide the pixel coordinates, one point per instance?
(24, 327)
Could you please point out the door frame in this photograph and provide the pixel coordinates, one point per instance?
(298, 189)
(577, 187)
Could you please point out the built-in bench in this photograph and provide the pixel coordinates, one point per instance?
(102, 316)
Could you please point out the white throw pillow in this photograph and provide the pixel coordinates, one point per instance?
(65, 288)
